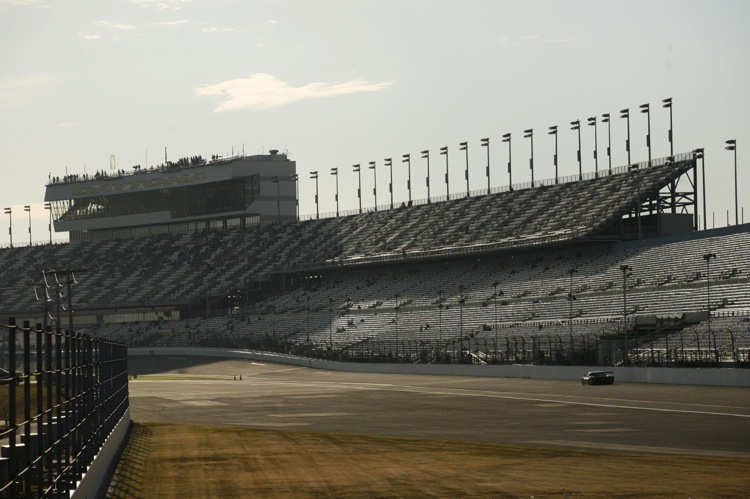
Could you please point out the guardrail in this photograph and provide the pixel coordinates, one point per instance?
(61, 396)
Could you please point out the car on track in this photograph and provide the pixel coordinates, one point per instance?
(598, 378)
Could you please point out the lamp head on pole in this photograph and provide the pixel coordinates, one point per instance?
(372, 165)
(388, 162)
(666, 103)
(645, 108)
(314, 175)
(624, 113)
(8, 211)
(335, 171)
(506, 137)
(592, 121)
(698, 153)
(407, 158)
(552, 130)
(528, 133)
(444, 150)
(575, 125)
(731, 145)
(426, 153)
(355, 168)
(464, 146)
(605, 118)
(485, 142)
(27, 208)
(709, 256)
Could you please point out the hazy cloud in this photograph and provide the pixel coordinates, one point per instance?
(265, 91)
(90, 36)
(111, 25)
(22, 2)
(160, 4)
(15, 91)
(214, 29)
(179, 22)
(534, 39)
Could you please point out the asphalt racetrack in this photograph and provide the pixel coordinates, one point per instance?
(630, 417)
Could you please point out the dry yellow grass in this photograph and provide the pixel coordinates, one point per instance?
(186, 461)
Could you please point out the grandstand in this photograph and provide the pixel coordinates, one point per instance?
(524, 274)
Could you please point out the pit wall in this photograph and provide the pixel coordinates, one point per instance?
(90, 485)
(676, 376)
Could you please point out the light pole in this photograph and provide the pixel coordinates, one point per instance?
(314, 175)
(27, 208)
(444, 152)
(645, 108)
(295, 178)
(495, 285)
(486, 143)
(632, 169)
(330, 326)
(553, 131)
(389, 164)
(440, 316)
(407, 159)
(625, 113)
(708, 257)
(732, 146)
(8, 212)
(667, 103)
(576, 125)
(275, 180)
(625, 269)
(592, 122)
(426, 155)
(464, 146)
(461, 301)
(529, 134)
(571, 298)
(700, 154)
(358, 171)
(48, 206)
(374, 183)
(506, 138)
(605, 119)
(396, 310)
(335, 172)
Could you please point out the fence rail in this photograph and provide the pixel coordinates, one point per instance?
(63, 394)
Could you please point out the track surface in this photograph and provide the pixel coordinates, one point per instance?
(665, 419)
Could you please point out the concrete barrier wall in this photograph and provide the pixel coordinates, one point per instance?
(90, 484)
(677, 376)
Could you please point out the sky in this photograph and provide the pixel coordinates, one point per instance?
(335, 83)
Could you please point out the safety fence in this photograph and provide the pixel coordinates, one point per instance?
(61, 395)
(512, 349)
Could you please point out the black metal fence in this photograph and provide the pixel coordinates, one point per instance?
(63, 395)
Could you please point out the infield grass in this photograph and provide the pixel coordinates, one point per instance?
(194, 461)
